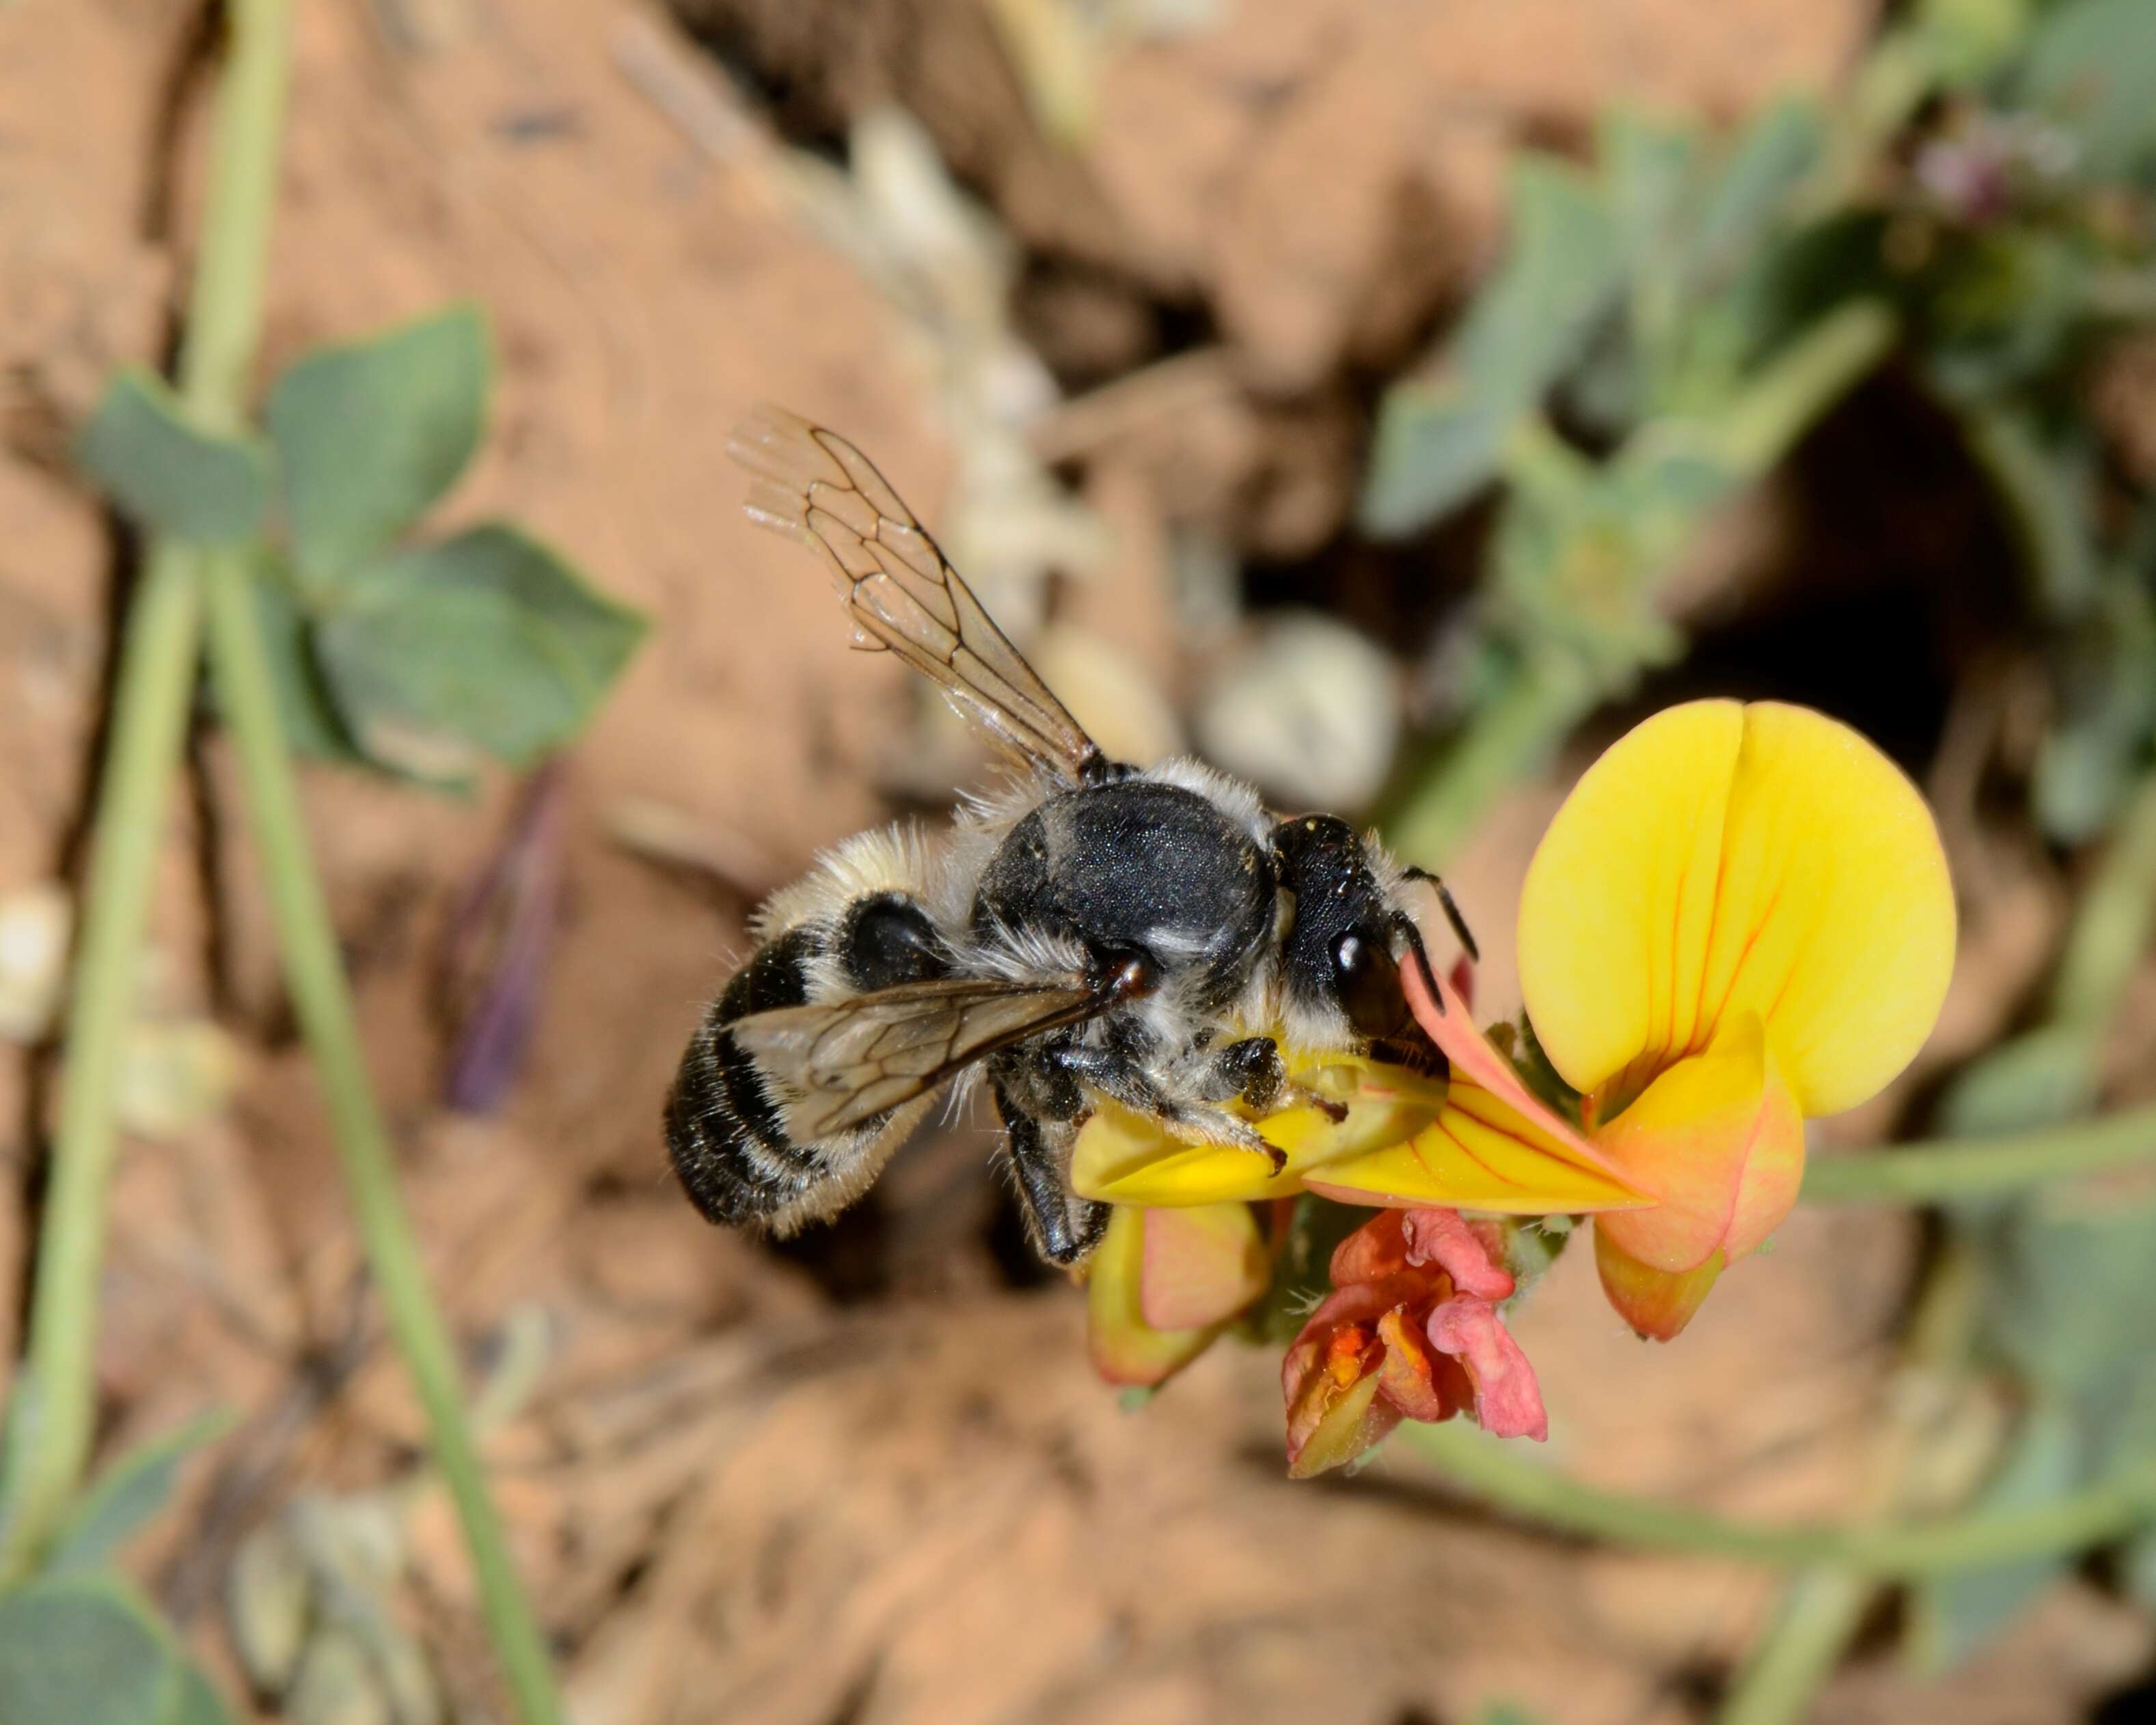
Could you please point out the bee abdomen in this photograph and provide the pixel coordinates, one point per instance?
(723, 1130)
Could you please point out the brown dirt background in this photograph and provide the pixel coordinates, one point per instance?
(872, 1482)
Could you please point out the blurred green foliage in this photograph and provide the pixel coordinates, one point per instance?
(78, 1646)
(1977, 207)
(86, 1651)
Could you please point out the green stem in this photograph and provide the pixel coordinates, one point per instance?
(322, 1002)
(1949, 1169)
(156, 677)
(151, 699)
(1818, 1616)
(1492, 1471)
(1802, 382)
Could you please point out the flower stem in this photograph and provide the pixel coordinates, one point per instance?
(151, 698)
(1947, 1169)
(1819, 1613)
(1486, 1469)
(322, 1002)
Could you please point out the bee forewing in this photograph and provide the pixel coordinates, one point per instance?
(812, 484)
(840, 1063)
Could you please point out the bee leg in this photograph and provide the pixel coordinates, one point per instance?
(1200, 1123)
(1065, 1228)
(1252, 1071)
(1302, 1096)
(1122, 1079)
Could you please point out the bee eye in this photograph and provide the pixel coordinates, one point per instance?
(1368, 982)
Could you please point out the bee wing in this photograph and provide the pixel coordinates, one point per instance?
(840, 1063)
(901, 592)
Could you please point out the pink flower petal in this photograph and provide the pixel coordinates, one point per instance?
(1509, 1402)
(1379, 1248)
(1443, 1238)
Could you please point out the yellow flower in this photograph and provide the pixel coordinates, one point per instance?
(1740, 918)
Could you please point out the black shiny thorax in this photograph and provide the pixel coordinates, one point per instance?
(1136, 863)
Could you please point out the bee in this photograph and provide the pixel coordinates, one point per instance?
(1092, 930)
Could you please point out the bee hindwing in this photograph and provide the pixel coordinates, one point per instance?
(839, 1064)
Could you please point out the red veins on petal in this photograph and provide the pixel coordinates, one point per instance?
(1447, 1022)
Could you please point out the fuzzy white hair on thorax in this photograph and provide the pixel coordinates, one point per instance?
(893, 859)
(1239, 801)
(984, 820)
(1026, 955)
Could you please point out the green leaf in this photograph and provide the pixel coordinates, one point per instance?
(371, 434)
(1968, 40)
(2005, 310)
(1956, 1614)
(126, 1496)
(1580, 564)
(1647, 169)
(2048, 483)
(2091, 69)
(304, 709)
(196, 1703)
(1769, 160)
(2047, 1074)
(1434, 451)
(2068, 1277)
(487, 641)
(1438, 444)
(2099, 740)
(2136, 1569)
(168, 475)
(87, 1651)
(2071, 1280)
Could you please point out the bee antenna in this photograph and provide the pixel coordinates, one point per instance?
(1413, 935)
(1451, 909)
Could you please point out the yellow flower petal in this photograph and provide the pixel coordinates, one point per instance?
(1122, 1156)
(1722, 858)
(1656, 1304)
(1480, 1153)
(1614, 911)
(1718, 1140)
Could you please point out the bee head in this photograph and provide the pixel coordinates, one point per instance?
(1340, 950)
